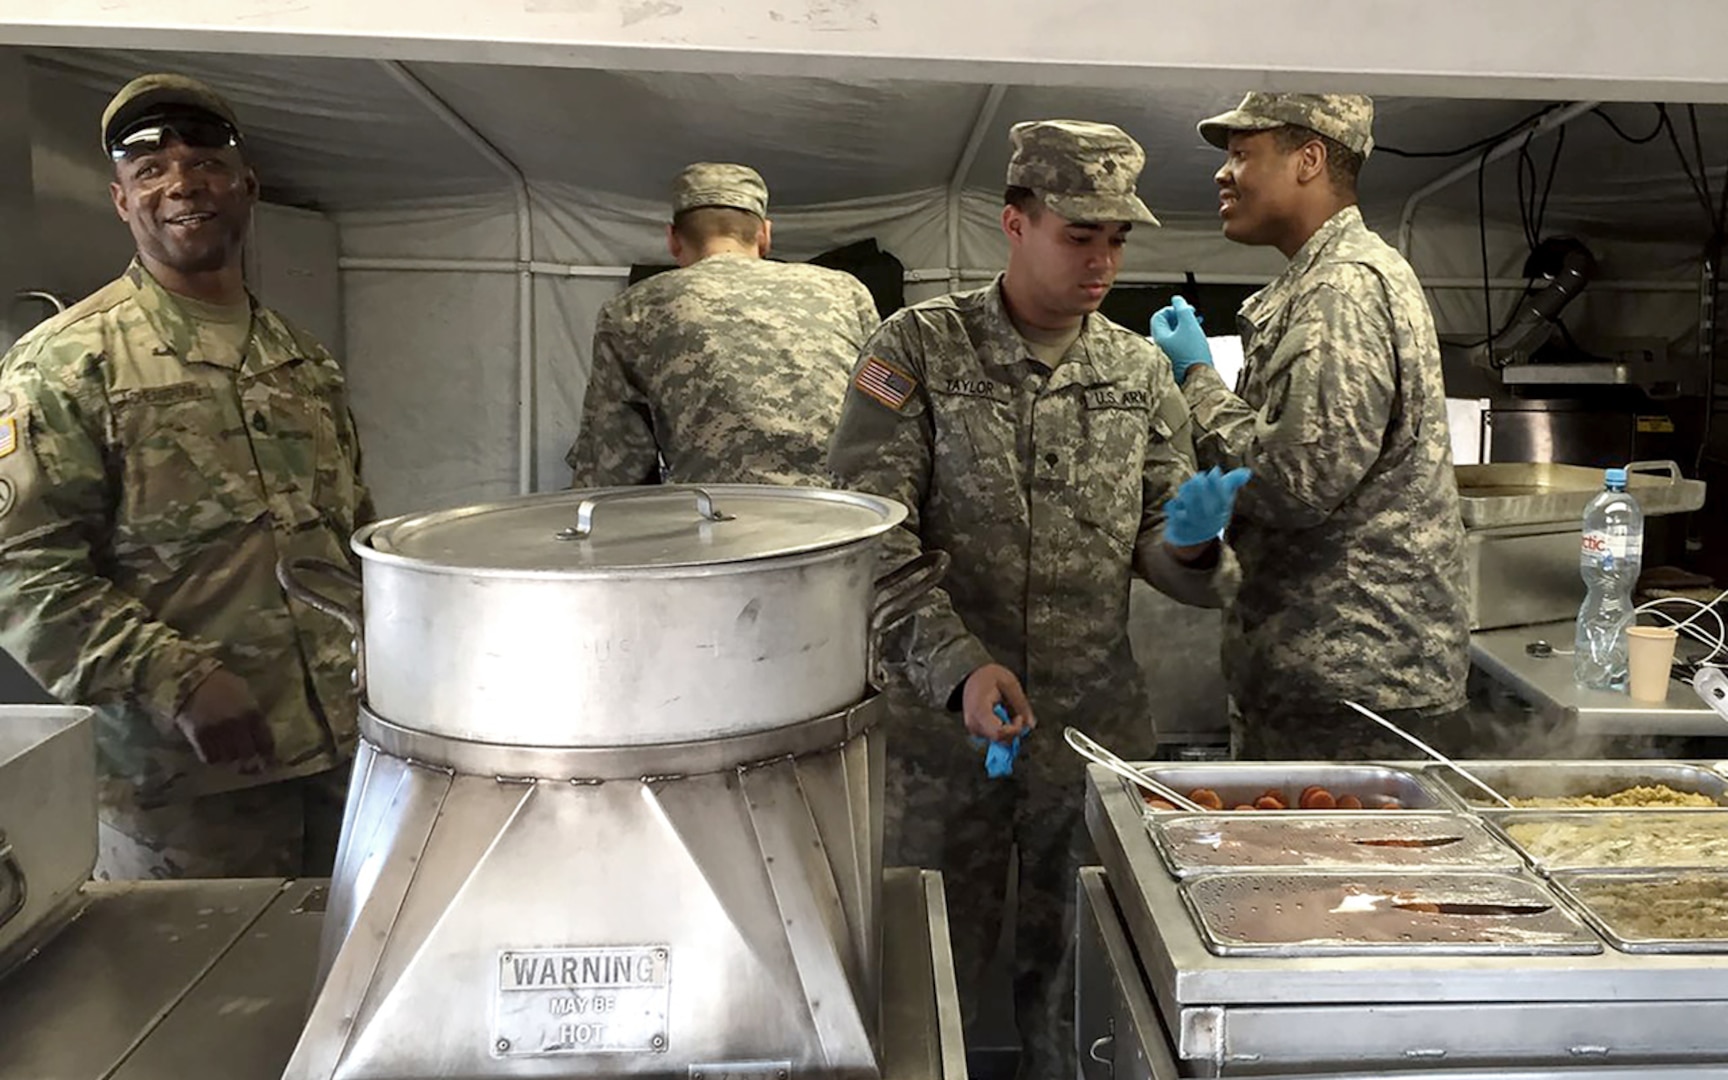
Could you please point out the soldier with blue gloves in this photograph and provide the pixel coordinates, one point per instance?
(1349, 535)
(1047, 450)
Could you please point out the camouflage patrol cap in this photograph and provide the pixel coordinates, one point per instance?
(708, 183)
(1347, 118)
(1083, 171)
(148, 93)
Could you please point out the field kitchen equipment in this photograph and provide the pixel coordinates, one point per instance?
(1575, 936)
(1522, 524)
(617, 809)
(47, 823)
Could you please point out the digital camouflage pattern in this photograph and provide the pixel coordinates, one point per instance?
(732, 369)
(1084, 171)
(1345, 118)
(709, 183)
(1047, 487)
(157, 478)
(1349, 534)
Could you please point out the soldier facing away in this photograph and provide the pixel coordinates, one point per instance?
(729, 369)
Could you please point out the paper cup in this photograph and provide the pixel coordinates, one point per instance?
(1649, 652)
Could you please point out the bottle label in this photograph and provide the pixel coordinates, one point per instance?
(1618, 546)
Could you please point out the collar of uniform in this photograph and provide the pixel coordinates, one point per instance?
(1003, 346)
(168, 320)
(1325, 237)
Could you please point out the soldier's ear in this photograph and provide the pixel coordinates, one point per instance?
(117, 193)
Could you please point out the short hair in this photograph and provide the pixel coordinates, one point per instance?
(702, 224)
(1343, 165)
(1023, 199)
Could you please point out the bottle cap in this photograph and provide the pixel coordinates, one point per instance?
(1616, 477)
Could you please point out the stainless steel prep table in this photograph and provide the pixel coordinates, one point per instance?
(1545, 682)
(210, 980)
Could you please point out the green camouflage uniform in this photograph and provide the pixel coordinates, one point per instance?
(1046, 486)
(731, 369)
(149, 481)
(1349, 534)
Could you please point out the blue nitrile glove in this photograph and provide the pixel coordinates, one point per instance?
(999, 758)
(1201, 507)
(1177, 331)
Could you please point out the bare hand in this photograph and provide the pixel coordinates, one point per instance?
(987, 686)
(224, 723)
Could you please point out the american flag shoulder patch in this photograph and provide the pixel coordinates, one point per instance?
(8, 435)
(884, 382)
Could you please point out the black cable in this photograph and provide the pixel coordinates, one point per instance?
(1703, 169)
(1685, 163)
(1661, 121)
(1482, 235)
(1487, 140)
(1548, 188)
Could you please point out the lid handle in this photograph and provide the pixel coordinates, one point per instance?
(584, 526)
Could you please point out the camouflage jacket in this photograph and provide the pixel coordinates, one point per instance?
(731, 369)
(1046, 487)
(1349, 534)
(148, 485)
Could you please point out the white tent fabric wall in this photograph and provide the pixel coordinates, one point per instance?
(433, 355)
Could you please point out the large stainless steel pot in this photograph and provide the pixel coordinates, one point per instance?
(624, 616)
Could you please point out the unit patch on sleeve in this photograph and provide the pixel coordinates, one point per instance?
(884, 382)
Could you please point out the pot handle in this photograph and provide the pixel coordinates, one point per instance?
(901, 589)
(20, 887)
(287, 574)
(584, 526)
(1672, 468)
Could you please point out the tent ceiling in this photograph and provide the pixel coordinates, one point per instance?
(344, 134)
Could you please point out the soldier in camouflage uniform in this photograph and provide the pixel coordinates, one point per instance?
(729, 369)
(162, 443)
(1349, 535)
(1040, 445)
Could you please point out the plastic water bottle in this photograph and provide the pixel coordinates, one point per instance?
(1611, 556)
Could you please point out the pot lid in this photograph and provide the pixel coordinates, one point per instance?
(634, 528)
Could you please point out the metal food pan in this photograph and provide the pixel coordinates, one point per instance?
(1226, 842)
(1291, 915)
(1585, 890)
(1615, 840)
(1237, 783)
(1539, 492)
(1553, 779)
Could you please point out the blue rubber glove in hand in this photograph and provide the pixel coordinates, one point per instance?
(999, 758)
(1201, 507)
(1176, 330)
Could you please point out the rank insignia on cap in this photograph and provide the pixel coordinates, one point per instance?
(8, 435)
(884, 382)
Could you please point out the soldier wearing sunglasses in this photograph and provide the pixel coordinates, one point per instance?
(162, 444)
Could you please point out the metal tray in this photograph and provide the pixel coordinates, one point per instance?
(1288, 914)
(1586, 889)
(1535, 492)
(47, 823)
(1550, 779)
(1238, 783)
(1615, 839)
(1193, 844)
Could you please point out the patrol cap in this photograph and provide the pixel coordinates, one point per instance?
(1346, 118)
(709, 183)
(148, 94)
(1081, 170)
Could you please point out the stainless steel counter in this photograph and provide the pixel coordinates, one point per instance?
(1531, 1015)
(1546, 684)
(210, 980)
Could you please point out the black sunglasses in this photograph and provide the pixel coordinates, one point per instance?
(152, 133)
